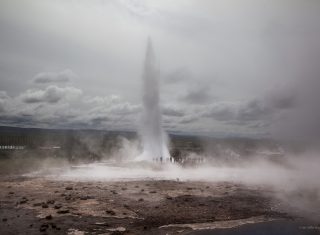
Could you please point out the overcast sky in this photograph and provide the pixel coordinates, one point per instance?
(228, 67)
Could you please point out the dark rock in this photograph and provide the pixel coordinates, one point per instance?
(123, 188)
(68, 198)
(53, 225)
(86, 197)
(45, 205)
(69, 188)
(23, 200)
(44, 227)
(50, 202)
(4, 219)
(48, 217)
(168, 198)
(37, 204)
(58, 206)
(153, 192)
(11, 193)
(141, 200)
(63, 211)
(110, 212)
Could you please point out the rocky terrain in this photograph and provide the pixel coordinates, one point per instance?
(46, 206)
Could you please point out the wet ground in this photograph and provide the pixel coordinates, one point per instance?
(276, 227)
(47, 206)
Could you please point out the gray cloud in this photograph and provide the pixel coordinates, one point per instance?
(301, 122)
(198, 95)
(52, 77)
(252, 114)
(51, 94)
(221, 111)
(67, 108)
(253, 110)
(3, 100)
(189, 119)
(172, 111)
(178, 76)
(2, 107)
(285, 97)
(3, 95)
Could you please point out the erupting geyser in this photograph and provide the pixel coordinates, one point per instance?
(153, 137)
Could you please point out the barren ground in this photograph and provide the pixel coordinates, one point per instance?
(44, 206)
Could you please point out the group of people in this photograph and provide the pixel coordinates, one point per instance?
(164, 160)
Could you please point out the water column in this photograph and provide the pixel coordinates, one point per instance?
(153, 137)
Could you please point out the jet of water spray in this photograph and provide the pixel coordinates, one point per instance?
(153, 137)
